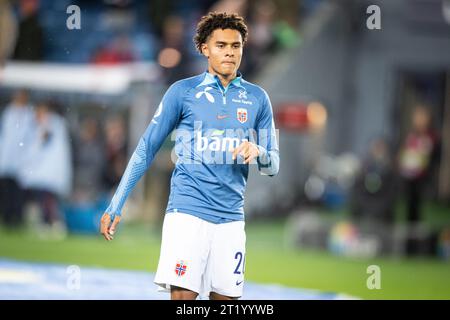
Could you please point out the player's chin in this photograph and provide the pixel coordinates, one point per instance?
(228, 69)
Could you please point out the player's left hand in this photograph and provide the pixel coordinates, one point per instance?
(248, 150)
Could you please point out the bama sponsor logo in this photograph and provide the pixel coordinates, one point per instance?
(216, 142)
(213, 146)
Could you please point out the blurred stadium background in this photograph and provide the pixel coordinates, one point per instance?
(364, 131)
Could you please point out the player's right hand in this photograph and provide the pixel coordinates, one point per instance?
(107, 228)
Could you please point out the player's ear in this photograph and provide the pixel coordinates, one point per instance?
(205, 50)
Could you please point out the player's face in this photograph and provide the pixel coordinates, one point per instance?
(224, 52)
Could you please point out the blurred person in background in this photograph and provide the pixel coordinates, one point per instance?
(203, 240)
(8, 31)
(116, 151)
(89, 162)
(30, 39)
(120, 50)
(417, 157)
(15, 134)
(262, 42)
(46, 173)
(174, 56)
(373, 195)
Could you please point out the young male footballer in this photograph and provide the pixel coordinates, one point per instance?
(222, 124)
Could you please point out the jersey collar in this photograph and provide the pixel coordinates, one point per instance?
(210, 79)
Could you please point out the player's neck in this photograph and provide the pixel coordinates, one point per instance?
(224, 79)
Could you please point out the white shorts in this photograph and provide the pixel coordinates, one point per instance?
(201, 256)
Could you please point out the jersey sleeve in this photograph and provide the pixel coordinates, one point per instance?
(269, 158)
(164, 122)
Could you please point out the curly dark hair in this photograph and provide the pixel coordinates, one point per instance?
(218, 20)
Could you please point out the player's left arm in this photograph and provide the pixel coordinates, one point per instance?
(265, 148)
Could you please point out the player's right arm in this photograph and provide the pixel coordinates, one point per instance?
(164, 121)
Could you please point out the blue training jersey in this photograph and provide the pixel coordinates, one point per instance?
(207, 121)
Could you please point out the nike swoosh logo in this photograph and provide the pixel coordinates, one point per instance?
(239, 282)
(220, 117)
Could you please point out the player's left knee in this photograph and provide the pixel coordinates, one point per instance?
(216, 296)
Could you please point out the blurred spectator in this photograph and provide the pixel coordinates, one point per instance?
(373, 195)
(174, 54)
(416, 158)
(262, 39)
(15, 134)
(7, 30)
(116, 151)
(89, 162)
(29, 45)
(47, 172)
(119, 51)
(103, 55)
(158, 11)
(235, 6)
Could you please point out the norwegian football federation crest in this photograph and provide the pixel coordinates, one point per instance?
(242, 115)
(180, 268)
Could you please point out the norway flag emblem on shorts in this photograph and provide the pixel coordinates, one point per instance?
(242, 115)
(180, 268)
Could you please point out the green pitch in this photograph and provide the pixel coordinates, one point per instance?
(268, 261)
